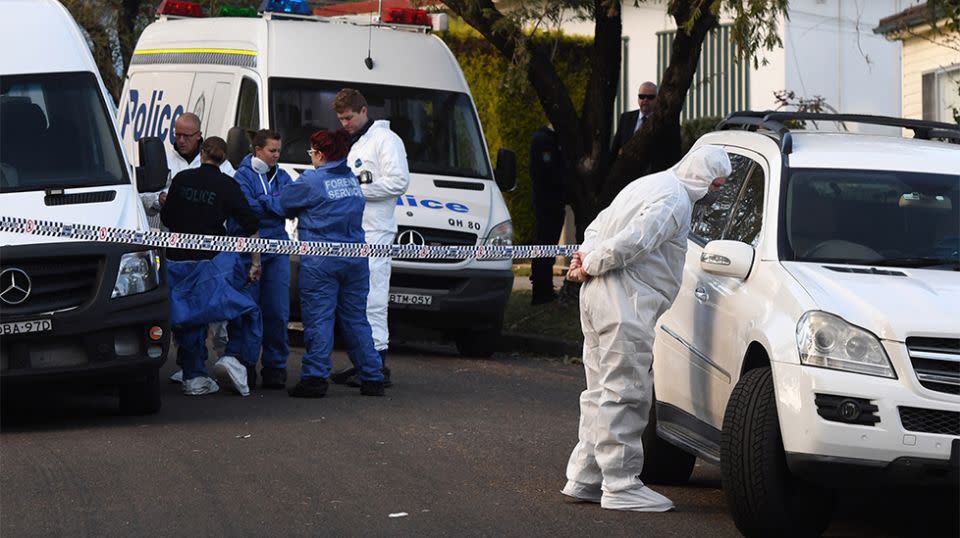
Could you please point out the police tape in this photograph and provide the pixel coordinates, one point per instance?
(157, 238)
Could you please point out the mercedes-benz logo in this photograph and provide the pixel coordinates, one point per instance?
(411, 237)
(15, 286)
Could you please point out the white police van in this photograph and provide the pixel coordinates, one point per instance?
(72, 310)
(281, 70)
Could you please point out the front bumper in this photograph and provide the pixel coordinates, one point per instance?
(460, 299)
(820, 448)
(99, 339)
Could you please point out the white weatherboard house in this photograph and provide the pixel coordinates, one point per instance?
(829, 49)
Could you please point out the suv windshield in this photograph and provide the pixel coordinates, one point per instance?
(439, 129)
(56, 132)
(866, 217)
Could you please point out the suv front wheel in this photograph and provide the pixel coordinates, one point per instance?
(764, 498)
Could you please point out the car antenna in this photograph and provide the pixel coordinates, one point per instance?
(368, 61)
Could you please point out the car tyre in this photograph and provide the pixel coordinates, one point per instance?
(663, 462)
(141, 397)
(764, 498)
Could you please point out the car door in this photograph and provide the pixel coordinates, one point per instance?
(688, 354)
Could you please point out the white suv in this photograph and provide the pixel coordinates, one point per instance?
(815, 341)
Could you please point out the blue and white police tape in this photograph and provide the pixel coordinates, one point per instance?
(156, 238)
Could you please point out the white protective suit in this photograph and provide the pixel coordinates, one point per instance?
(176, 163)
(634, 250)
(380, 152)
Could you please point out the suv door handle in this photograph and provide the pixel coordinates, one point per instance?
(701, 293)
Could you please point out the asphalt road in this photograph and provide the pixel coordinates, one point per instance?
(462, 447)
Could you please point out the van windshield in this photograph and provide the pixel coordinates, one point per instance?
(874, 217)
(439, 129)
(56, 132)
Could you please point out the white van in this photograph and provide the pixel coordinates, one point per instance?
(72, 309)
(282, 72)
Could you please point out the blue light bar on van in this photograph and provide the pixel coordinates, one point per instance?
(293, 7)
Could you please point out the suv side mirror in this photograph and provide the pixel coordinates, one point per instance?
(727, 258)
(506, 171)
(152, 172)
(238, 145)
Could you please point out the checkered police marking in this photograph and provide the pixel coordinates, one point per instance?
(156, 238)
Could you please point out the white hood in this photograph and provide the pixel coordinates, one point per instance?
(698, 168)
(920, 302)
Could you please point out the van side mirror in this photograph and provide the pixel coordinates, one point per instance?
(506, 171)
(727, 258)
(238, 145)
(153, 172)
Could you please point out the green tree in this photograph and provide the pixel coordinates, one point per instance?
(584, 135)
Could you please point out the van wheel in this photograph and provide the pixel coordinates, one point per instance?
(477, 344)
(663, 462)
(141, 397)
(764, 498)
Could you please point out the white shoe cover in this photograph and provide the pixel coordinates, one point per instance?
(231, 373)
(199, 386)
(582, 492)
(642, 499)
(177, 377)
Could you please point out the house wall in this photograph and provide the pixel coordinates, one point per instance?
(831, 51)
(921, 55)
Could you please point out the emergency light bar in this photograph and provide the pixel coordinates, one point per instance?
(404, 15)
(236, 11)
(180, 8)
(292, 7)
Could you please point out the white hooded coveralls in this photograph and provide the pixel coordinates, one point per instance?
(380, 152)
(635, 250)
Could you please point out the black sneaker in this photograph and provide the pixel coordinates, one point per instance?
(309, 387)
(372, 388)
(273, 378)
(385, 370)
(346, 377)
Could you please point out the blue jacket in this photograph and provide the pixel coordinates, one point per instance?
(263, 194)
(329, 203)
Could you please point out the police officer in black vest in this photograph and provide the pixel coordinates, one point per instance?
(547, 172)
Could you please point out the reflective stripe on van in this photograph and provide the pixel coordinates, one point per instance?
(236, 57)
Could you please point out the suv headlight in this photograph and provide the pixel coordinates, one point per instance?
(500, 235)
(828, 341)
(139, 272)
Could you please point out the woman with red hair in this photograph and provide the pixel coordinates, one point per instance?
(329, 205)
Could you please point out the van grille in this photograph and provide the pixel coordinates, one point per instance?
(433, 237)
(936, 362)
(930, 420)
(56, 284)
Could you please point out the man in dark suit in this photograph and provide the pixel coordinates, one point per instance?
(630, 122)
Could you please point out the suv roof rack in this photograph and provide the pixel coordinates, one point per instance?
(773, 122)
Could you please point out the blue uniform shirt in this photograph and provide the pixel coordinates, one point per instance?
(329, 203)
(262, 192)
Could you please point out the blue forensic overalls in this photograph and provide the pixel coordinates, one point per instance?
(205, 291)
(272, 292)
(329, 204)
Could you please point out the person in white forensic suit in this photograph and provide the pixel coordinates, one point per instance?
(379, 160)
(631, 265)
(184, 154)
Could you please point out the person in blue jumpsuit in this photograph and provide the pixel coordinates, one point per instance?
(329, 205)
(262, 182)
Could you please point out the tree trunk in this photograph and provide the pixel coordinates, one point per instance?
(656, 146)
